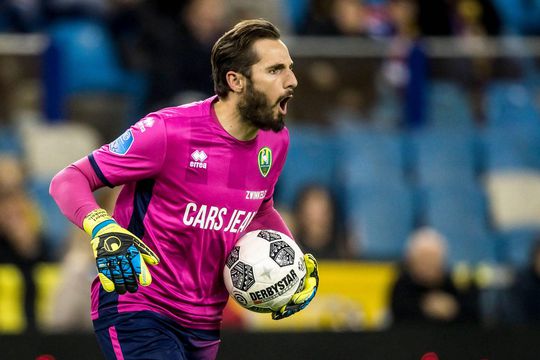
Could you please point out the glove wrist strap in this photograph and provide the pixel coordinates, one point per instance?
(95, 221)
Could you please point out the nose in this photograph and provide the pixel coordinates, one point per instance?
(291, 82)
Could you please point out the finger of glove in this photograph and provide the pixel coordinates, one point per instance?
(147, 254)
(288, 310)
(304, 297)
(145, 278)
(104, 274)
(312, 270)
(95, 244)
(138, 267)
(311, 264)
(117, 274)
(107, 284)
(310, 286)
(129, 271)
(110, 275)
(285, 312)
(279, 314)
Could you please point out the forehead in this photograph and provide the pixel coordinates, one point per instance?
(271, 52)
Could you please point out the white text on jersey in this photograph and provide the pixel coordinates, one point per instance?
(255, 195)
(213, 218)
(198, 156)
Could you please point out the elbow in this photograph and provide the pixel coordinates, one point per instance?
(58, 182)
(55, 184)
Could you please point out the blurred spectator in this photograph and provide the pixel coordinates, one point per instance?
(434, 17)
(318, 20)
(424, 291)
(317, 226)
(474, 21)
(177, 41)
(57, 9)
(21, 243)
(125, 27)
(524, 304)
(520, 17)
(21, 238)
(20, 16)
(406, 68)
(334, 18)
(11, 174)
(71, 300)
(476, 17)
(271, 10)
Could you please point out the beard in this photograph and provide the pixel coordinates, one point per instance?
(255, 109)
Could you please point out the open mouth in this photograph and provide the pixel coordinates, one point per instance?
(283, 104)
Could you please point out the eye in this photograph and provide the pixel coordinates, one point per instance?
(273, 71)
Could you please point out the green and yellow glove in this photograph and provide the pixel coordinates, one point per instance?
(302, 298)
(121, 257)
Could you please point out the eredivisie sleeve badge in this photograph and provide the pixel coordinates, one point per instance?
(265, 160)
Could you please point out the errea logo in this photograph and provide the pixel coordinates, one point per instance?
(145, 123)
(199, 157)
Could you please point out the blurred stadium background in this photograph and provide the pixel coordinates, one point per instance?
(409, 113)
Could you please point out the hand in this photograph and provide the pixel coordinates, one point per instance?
(121, 257)
(440, 305)
(302, 298)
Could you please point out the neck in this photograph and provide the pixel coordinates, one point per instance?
(231, 120)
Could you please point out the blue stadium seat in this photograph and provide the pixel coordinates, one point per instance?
(445, 157)
(448, 106)
(380, 218)
(296, 10)
(512, 147)
(311, 160)
(510, 103)
(55, 226)
(89, 61)
(10, 142)
(516, 246)
(88, 57)
(371, 157)
(459, 212)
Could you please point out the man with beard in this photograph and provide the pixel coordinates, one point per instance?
(195, 178)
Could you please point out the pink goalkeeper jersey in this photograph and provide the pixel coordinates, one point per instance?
(190, 190)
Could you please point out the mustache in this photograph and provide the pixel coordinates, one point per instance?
(289, 93)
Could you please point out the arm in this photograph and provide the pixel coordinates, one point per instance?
(121, 257)
(268, 218)
(72, 190)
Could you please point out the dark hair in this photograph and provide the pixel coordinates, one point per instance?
(233, 51)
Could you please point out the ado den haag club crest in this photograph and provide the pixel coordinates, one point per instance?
(265, 160)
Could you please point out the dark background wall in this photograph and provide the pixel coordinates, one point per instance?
(400, 343)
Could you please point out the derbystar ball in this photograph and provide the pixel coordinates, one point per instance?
(264, 270)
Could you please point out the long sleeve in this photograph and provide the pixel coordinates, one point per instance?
(72, 190)
(268, 218)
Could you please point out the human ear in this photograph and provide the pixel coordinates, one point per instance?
(235, 81)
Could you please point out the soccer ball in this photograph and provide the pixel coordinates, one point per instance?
(264, 270)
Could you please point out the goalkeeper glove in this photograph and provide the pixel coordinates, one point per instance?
(302, 298)
(121, 257)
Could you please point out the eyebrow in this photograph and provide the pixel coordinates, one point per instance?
(278, 66)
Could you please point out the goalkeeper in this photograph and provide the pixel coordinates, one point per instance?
(195, 178)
